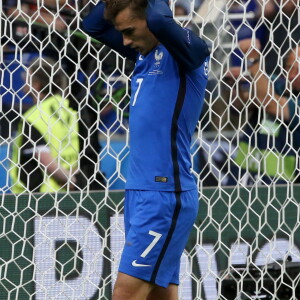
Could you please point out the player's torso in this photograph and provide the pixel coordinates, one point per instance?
(164, 108)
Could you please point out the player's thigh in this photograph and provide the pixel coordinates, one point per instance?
(160, 293)
(160, 223)
(130, 288)
(149, 215)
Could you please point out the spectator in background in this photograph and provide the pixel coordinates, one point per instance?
(111, 90)
(13, 98)
(30, 38)
(30, 12)
(274, 23)
(46, 150)
(14, 101)
(255, 147)
(114, 104)
(244, 27)
(281, 18)
(268, 151)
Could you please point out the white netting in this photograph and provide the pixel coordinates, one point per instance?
(245, 243)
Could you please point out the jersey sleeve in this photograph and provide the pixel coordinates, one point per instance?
(97, 27)
(189, 50)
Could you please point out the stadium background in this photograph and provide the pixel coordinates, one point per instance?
(66, 245)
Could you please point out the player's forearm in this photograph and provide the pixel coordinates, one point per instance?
(95, 24)
(188, 49)
(102, 30)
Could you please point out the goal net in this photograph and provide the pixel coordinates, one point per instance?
(64, 151)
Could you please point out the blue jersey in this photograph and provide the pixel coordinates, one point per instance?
(168, 86)
(165, 106)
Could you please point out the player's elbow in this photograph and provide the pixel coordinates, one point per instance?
(189, 65)
(196, 57)
(202, 50)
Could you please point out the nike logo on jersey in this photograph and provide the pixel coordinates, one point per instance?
(135, 264)
(140, 57)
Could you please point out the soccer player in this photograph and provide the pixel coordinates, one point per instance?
(168, 85)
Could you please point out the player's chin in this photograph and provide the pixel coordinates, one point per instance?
(144, 52)
(139, 50)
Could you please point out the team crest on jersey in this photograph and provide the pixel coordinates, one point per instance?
(158, 57)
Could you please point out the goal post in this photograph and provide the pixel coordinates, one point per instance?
(64, 241)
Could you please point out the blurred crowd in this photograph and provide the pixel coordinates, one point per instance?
(35, 33)
(260, 80)
(264, 48)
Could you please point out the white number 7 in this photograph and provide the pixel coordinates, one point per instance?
(157, 236)
(139, 81)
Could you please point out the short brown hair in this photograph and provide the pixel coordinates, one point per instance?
(114, 7)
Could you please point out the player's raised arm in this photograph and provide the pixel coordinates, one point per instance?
(102, 30)
(186, 47)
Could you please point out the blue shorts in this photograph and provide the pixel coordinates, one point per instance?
(157, 227)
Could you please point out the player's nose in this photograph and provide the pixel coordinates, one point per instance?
(126, 41)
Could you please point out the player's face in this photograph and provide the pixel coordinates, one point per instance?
(293, 68)
(135, 31)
